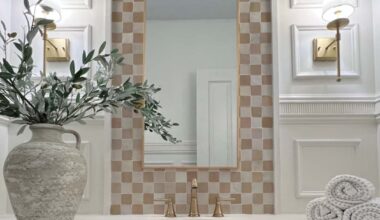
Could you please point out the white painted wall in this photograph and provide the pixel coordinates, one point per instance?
(376, 43)
(3, 154)
(79, 23)
(5, 15)
(87, 24)
(175, 50)
(5, 7)
(325, 128)
(362, 85)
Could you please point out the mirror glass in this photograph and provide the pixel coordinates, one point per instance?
(191, 53)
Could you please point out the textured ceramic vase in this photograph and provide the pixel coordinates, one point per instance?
(45, 177)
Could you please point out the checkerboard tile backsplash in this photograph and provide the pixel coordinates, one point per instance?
(134, 189)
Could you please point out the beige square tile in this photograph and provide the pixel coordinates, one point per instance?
(128, 7)
(181, 187)
(203, 187)
(137, 209)
(126, 199)
(137, 187)
(117, 16)
(138, 17)
(115, 210)
(225, 187)
(257, 177)
(148, 198)
(148, 177)
(257, 198)
(266, 17)
(255, 7)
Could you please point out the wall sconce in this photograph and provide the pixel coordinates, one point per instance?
(57, 50)
(47, 9)
(336, 12)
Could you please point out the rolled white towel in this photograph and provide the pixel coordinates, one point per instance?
(346, 191)
(321, 209)
(366, 211)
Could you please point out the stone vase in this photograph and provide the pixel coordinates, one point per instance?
(45, 177)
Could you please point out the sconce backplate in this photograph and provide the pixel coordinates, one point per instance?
(325, 49)
(58, 50)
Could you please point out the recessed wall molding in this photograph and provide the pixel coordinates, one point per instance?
(87, 33)
(344, 146)
(302, 49)
(299, 4)
(308, 107)
(76, 4)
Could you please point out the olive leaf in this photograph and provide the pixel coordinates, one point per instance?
(76, 97)
(21, 130)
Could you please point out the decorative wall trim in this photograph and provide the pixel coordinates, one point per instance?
(301, 143)
(87, 33)
(296, 61)
(76, 4)
(293, 108)
(299, 4)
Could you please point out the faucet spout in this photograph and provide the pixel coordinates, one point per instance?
(194, 210)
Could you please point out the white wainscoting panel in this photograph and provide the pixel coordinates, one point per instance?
(311, 3)
(302, 52)
(76, 4)
(319, 160)
(312, 153)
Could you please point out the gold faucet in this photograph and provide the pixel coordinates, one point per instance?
(194, 210)
(170, 212)
(218, 212)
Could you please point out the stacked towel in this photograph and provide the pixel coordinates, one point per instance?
(321, 209)
(368, 211)
(346, 191)
(347, 198)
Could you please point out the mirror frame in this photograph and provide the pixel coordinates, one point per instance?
(237, 166)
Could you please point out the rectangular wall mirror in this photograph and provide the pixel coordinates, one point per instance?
(191, 53)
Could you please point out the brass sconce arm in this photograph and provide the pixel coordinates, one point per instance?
(337, 25)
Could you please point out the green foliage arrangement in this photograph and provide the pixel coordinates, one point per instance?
(59, 101)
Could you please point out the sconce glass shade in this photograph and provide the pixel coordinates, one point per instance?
(337, 9)
(47, 9)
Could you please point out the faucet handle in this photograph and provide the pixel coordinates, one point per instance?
(170, 212)
(218, 212)
(194, 183)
